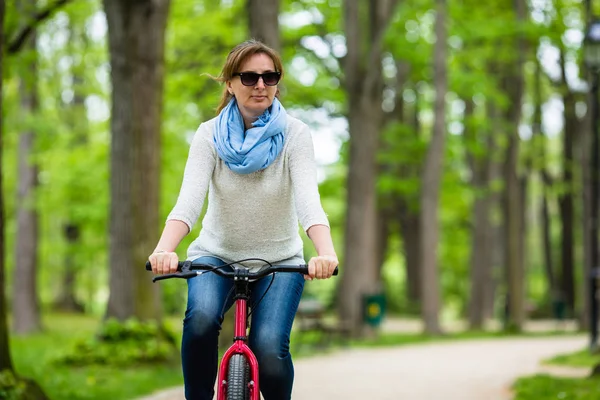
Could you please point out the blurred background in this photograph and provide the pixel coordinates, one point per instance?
(457, 145)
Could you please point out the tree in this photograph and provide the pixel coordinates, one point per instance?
(363, 84)
(5, 359)
(26, 309)
(136, 31)
(481, 166)
(263, 22)
(430, 183)
(31, 389)
(514, 87)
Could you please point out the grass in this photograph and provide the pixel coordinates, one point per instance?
(583, 358)
(33, 357)
(543, 386)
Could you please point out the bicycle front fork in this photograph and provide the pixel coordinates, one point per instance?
(240, 346)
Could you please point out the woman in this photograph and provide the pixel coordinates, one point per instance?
(257, 165)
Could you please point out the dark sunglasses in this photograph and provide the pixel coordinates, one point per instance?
(251, 78)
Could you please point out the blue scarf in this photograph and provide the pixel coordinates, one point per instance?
(248, 151)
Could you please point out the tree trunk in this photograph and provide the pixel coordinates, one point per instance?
(586, 181)
(363, 84)
(546, 185)
(566, 202)
(31, 389)
(384, 230)
(5, 358)
(66, 300)
(263, 18)
(26, 309)
(430, 183)
(481, 231)
(409, 215)
(513, 86)
(136, 44)
(410, 229)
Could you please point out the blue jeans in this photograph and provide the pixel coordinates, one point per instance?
(209, 297)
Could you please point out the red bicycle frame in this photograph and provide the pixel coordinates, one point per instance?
(239, 346)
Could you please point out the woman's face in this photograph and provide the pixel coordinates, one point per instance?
(253, 100)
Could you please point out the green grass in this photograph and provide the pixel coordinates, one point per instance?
(33, 357)
(544, 387)
(399, 339)
(583, 358)
(541, 387)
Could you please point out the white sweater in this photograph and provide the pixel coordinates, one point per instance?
(252, 215)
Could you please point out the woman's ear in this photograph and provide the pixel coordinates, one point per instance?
(229, 88)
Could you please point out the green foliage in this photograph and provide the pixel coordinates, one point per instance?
(11, 388)
(35, 355)
(123, 344)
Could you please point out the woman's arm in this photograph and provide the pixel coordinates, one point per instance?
(321, 238)
(164, 259)
(172, 235)
(322, 266)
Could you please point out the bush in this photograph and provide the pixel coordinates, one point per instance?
(10, 387)
(123, 344)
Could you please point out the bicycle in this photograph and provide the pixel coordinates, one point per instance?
(238, 377)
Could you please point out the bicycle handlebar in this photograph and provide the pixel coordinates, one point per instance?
(193, 269)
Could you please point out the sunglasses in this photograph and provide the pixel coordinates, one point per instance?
(251, 78)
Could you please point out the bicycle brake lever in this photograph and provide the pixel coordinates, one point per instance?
(182, 275)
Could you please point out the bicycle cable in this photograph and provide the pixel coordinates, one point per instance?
(254, 306)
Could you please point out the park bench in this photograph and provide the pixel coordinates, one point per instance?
(311, 320)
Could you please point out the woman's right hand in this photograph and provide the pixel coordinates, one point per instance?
(163, 262)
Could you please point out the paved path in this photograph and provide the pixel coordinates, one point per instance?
(464, 370)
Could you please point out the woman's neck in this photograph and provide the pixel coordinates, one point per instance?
(248, 122)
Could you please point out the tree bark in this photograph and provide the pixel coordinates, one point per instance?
(513, 233)
(136, 43)
(586, 181)
(263, 17)
(410, 229)
(546, 185)
(430, 183)
(481, 260)
(5, 358)
(26, 309)
(567, 282)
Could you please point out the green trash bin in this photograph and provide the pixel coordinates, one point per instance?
(373, 309)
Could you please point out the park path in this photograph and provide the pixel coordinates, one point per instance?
(482, 369)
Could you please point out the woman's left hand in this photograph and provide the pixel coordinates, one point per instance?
(321, 267)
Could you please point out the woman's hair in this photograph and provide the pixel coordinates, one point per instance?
(237, 57)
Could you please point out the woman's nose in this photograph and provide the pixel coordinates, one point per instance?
(260, 83)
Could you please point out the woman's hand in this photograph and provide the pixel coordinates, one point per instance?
(163, 262)
(321, 267)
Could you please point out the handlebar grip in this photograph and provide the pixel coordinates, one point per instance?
(149, 266)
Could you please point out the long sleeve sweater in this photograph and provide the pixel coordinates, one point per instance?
(251, 215)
